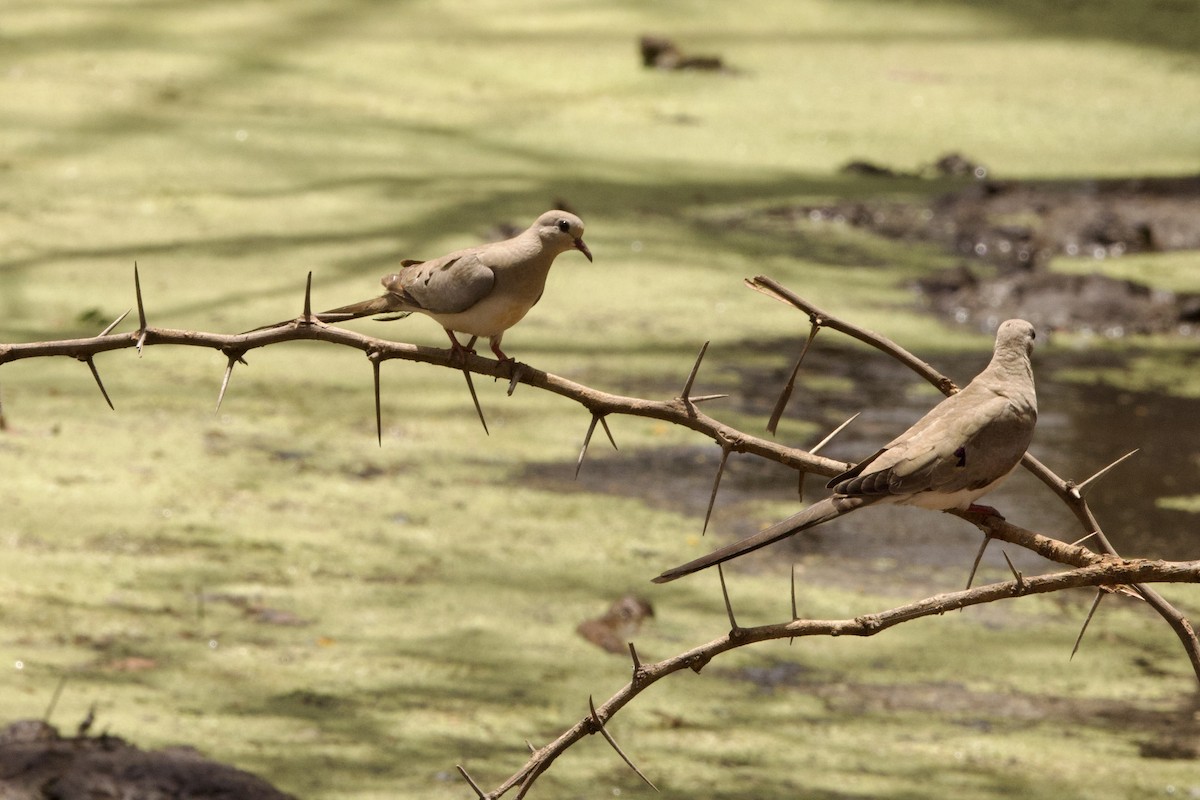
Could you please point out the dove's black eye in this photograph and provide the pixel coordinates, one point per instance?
(564, 226)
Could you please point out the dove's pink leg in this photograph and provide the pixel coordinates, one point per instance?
(494, 343)
(499, 353)
(456, 348)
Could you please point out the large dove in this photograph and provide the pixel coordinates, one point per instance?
(962, 449)
(479, 291)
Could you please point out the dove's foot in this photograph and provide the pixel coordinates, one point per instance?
(459, 352)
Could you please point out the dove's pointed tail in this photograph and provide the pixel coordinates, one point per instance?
(823, 511)
(376, 305)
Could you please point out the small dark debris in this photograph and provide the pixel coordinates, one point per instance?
(659, 52)
(950, 165)
(956, 165)
(868, 168)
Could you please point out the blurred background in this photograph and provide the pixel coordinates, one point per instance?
(269, 585)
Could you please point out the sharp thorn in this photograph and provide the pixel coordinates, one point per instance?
(233, 359)
(728, 605)
(308, 317)
(528, 781)
(1083, 539)
(786, 394)
(96, 374)
(712, 498)
(115, 323)
(595, 717)
(474, 786)
(475, 399)
(1017, 575)
(978, 557)
(137, 290)
(817, 448)
(637, 663)
(685, 395)
(795, 612)
(587, 439)
(608, 738)
(1082, 486)
(704, 398)
(515, 377)
(529, 744)
(141, 307)
(378, 399)
(608, 433)
(1086, 622)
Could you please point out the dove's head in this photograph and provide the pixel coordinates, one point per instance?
(1015, 336)
(561, 231)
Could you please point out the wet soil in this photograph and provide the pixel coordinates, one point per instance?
(37, 763)
(1006, 232)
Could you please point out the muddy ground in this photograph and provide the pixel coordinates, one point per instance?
(38, 763)
(1007, 231)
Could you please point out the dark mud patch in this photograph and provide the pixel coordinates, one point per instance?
(37, 763)
(1006, 233)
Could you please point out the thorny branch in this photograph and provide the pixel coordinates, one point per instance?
(1070, 493)
(679, 411)
(1103, 569)
(1106, 571)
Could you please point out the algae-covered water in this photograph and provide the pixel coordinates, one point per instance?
(271, 586)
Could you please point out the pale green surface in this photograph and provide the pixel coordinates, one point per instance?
(231, 147)
(1173, 272)
(1183, 503)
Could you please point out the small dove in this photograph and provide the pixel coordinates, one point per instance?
(962, 449)
(479, 291)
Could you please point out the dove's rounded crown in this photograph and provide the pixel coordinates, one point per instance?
(1016, 335)
(561, 231)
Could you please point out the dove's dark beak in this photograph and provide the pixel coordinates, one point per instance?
(583, 248)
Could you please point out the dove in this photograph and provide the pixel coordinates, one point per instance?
(479, 291)
(958, 452)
